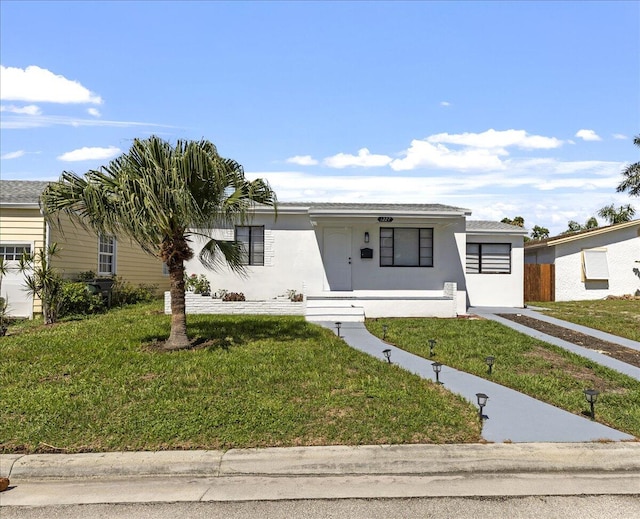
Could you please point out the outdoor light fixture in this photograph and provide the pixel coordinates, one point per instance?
(366, 237)
(482, 401)
(489, 360)
(338, 325)
(437, 367)
(592, 395)
(384, 331)
(432, 345)
(387, 355)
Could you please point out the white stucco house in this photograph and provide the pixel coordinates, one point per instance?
(592, 264)
(353, 261)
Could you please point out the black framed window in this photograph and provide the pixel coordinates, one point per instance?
(406, 247)
(252, 240)
(488, 258)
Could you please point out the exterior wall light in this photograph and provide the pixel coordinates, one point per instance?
(338, 325)
(482, 401)
(432, 345)
(437, 367)
(387, 355)
(366, 237)
(592, 395)
(490, 360)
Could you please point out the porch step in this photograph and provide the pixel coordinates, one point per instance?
(333, 310)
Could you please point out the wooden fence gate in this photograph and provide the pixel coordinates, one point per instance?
(539, 282)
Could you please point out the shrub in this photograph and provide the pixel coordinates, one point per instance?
(124, 293)
(234, 296)
(197, 284)
(77, 300)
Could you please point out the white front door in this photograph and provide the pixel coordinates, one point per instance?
(337, 257)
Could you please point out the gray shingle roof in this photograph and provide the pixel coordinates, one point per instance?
(374, 207)
(488, 225)
(25, 192)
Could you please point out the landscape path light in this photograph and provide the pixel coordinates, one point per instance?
(432, 345)
(592, 395)
(387, 355)
(437, 367)
(482, 401)
(338, 325)
(384, 331)
(490, 360)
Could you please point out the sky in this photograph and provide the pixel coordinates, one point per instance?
(504, 108)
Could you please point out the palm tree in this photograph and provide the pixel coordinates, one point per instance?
(624, 213)
(160, 196)
(631, 174)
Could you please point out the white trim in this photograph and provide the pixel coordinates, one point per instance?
(112, 254)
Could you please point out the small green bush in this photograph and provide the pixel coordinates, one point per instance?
(77, 300)
(124, 293)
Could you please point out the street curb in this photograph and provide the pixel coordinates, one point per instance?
(410, 460)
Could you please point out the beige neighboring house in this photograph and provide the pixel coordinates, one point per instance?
(23, 229)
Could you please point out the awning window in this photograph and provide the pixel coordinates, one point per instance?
(594, 263)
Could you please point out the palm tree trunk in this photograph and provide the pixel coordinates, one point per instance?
(178, 338)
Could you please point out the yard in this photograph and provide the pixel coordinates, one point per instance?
(617, 316)
(523, 363)
(99, 384)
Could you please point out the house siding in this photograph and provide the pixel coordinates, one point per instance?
(623, 253)
(19, 225)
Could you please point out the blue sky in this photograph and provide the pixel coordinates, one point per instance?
(505, 108)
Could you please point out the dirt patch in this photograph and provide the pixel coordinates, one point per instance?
(615, 351)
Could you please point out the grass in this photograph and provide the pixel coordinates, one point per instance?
(97, 385)
(540, 370)
(617, 316)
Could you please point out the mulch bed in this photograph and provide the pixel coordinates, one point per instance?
(628, 355)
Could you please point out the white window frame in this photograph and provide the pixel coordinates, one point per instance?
(253, 255)
(111, 255)
(15, 256)
(595, 266)
(479, 261)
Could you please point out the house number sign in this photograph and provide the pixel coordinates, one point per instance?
(385, 219)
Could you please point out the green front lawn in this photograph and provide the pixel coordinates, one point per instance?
(540, 370)
(97, 384)
(617, 316)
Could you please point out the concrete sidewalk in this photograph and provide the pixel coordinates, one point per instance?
(323, 473)
(510, 415)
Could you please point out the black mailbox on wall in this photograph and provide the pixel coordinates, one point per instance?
(366, 253)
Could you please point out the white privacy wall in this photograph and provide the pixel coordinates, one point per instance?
(623, 251)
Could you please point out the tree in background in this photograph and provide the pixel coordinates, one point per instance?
(573, 226)
(159, 196)
(624, 213)
(539, 233)
(631, 174)
(518, 220)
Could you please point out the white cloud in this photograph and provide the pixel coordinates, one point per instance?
(90, 154)
(588, 135)
(24, 110)
(619, 136)
(445, 103)
(363, 159)
(7, 123)
(35, 84)
(13, 155)
(94, 111)
(425, 154)
(492, 139)
(302, 160)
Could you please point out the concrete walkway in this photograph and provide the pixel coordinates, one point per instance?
(509, 415)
